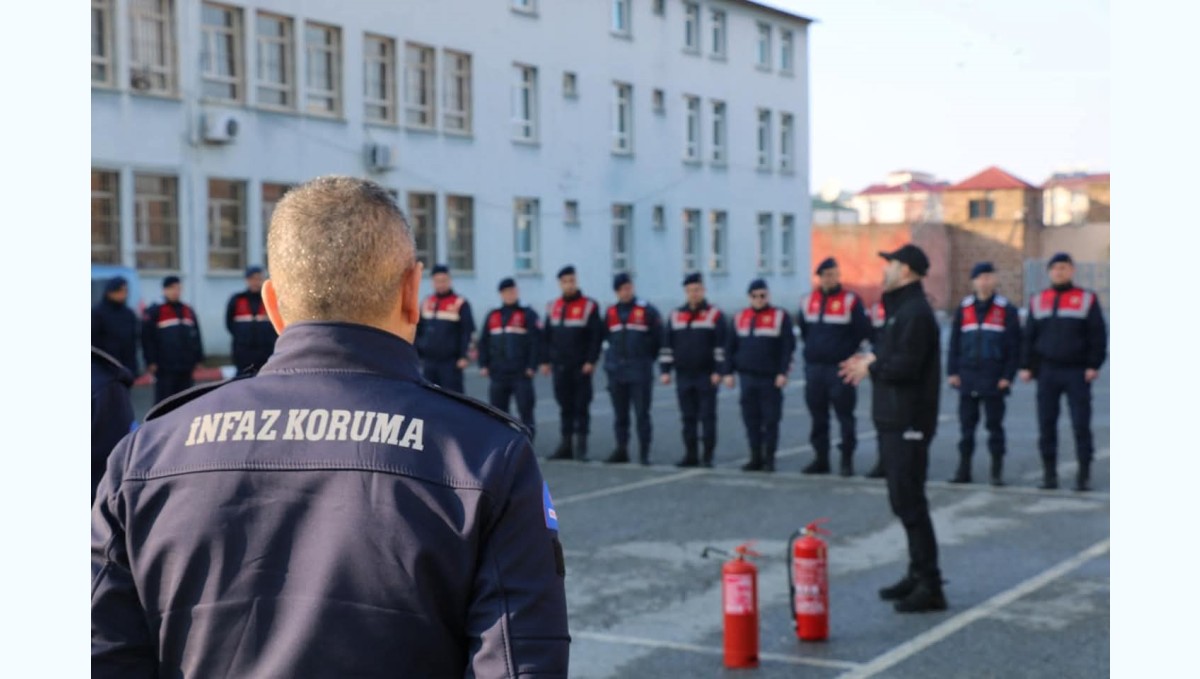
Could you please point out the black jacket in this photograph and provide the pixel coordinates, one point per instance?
(334, 515)
(510, 342)
(446, 328)
(762, 342)
(253, 335)
(112, 410)
(1065, 328)
(985, 344)
(695, 341)
(633, 331)
(574, 333)
(832, 325)
(906, 374)
(171, 337)
(115, 332)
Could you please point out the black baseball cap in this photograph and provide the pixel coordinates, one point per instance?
(911, 255)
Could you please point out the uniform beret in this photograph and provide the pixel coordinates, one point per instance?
(440, 268)
(982, 268)
(506, 283)
(621, 279)
(170, 280)
(693, 278)
(1060, 257)
(251, 270)
(757, 284)
(827, 263)
(568, 270)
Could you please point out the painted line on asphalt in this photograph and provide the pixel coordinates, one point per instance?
(938, 633)
(655, 402)
(626, 487)
(693, 648)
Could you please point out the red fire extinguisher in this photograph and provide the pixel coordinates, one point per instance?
(808, 582)
(739, 601)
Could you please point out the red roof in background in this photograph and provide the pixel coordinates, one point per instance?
(906, 187)
(1078, 180)
(991, 179)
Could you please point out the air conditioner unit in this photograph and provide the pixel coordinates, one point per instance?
(379, 157)
(220, 128)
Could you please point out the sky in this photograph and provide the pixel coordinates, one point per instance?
(953, 86)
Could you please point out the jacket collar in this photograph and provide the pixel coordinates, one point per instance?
(321, 345)
(894, 298)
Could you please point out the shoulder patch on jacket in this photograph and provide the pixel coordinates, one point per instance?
(481, 406)
(187, 396)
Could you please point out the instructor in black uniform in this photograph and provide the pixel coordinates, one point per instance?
(905, 373)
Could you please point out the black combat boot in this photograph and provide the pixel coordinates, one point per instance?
(997, 470)
(581, 447)
(621, 454)
(563, 452)
(876, 471)
(925, 596)
(707, 461)
(963, 474)
(1083, 478)
(689, 456)
(819, 465)
(1049, 475)
(847, 468)
(900, 589)
(755, 463)
(768, 464)
(644, 453)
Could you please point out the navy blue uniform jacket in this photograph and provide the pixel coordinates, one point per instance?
(171, 337)
(253, 335)
(762, 343)
(332, 516)
(510, 342)
(573, 332)
(985, 344)
(695, 341)
(115, 332)
(1064, 328)
(446, 327)
(633, 331)
(832, 325)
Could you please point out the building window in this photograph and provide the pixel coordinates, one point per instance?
(379, 79)
(271, 195)
(622, 132)
(718, 34)
(571, 212)
(226, 225)
(691, 241)
(570, 85)
(787, 243)
(765, 256)
(323, 62)
(106, 218)
(418, 86)
(786, 142)
(691, 27)
(422, 216)
(718, 234)
(981, 209)
(525, 6)
(156, 222)
(660, 7)
(276, 65)
(221, 53)
(691, 149)
(525, 235)
(102, 43)
(659, 99)
(719, 135)
(152, 57)
(524, 102)
(659, 218)
(460, 233)
(457, 92)
(620, 17)
(764, 46)
(622, 237)
(786, 52)
(764, 139)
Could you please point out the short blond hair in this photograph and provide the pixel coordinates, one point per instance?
(339, 249)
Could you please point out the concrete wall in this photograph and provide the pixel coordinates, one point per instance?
(1086, 243)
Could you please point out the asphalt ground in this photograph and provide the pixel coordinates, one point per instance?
(1027, 570)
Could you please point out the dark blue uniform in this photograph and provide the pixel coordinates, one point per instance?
(1064, 336)
(833, 325)
(694, 345)
(115, 332)
(444, 338)
(573, 335)
(112, 410)
(985, 346)
(171, 340)
(333, 516)
(510, 347)
(253, 335)
(633, 331)
(761, 349)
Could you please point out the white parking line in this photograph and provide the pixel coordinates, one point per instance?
(958, 622)
(693, 648)
(625, 487)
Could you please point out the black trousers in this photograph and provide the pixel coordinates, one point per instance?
(445, 374)
(906, 462)
(502, 390)
(169, 383)
(573, 391)
(762, 408)
(697, 406)
(969, 403)
(1052, 383)
(626, 393)
(823, 389)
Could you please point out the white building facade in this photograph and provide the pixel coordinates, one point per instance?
(653, 137)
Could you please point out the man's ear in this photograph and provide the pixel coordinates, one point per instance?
(271, 301)
(410, 294)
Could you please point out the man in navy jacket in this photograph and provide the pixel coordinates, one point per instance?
(171, 342)
(246, 319)
(510, 347)
(633, 330)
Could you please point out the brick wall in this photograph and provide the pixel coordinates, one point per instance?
(856, 247)
(1006, 240)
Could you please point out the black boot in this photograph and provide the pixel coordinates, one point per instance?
(963, 474)
(689, 455)
(997, 470)
(1083, 478)
(876, 471)
(847, 468)
(926, 596)
(563, 452)
(621, 454)
(900, 589)
(755, 463)
(1049, 476)
(581, 447)
(769, 459)
(707, 461)
(644, 453)
(819, 465)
